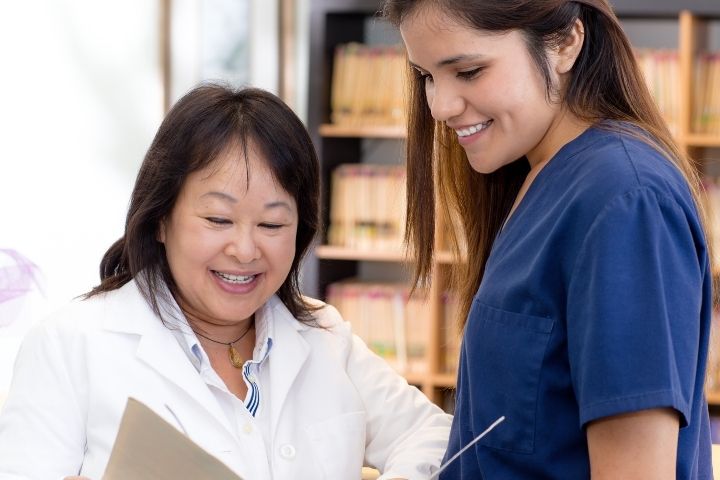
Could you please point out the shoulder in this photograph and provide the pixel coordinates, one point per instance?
(619, 159)
(325, 317)
(86, 315)
(612, 164)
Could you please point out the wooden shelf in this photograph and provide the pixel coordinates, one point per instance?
(363, 131)
(430, 379)
(702, 140)
(340, 144)
(330, 252)
(445, 380)
(415, 378)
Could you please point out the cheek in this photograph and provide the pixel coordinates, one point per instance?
(429, 94)
(192, 245)
(284, 249)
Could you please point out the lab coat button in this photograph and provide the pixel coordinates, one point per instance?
(287, 452)
(247, 428)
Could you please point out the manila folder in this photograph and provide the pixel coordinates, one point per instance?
(149, 448)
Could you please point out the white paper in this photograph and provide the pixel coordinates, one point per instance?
(149, 448)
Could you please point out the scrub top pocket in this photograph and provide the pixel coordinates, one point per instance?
(504, 354)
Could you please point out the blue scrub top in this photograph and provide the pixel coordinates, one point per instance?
(596, 301)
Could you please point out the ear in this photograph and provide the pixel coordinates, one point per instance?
(569, 49)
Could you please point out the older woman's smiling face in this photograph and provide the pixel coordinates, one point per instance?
(230, 239)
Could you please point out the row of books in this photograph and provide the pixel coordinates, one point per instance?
(368, 85)
(711, 198)
(713, 365)
(706, 111)
(661, 69)
(394, 324)
(367, 206)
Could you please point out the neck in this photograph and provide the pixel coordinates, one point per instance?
(564, 129)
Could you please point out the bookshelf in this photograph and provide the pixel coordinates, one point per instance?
(363, 131)
(337, 22)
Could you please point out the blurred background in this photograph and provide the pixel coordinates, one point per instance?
(84, 87)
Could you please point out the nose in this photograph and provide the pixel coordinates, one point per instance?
(445, 103)
(243, 246)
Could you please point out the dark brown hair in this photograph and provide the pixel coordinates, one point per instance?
(204, 124)
(604, 83)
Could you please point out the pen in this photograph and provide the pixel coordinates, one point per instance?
(473, 442)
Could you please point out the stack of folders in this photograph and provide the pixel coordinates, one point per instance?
(661, 69)
(368, 85)
(711, 199)
(706, 110)
(367, 207)
(392, 323)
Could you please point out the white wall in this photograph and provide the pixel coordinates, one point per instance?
(80, 99)
(201, 29)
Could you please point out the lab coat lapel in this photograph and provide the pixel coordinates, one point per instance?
(159, 349)
(290, 352)
(161, 352)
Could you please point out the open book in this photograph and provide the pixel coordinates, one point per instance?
(149, 448)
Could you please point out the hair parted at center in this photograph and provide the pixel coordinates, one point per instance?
(200, 129)
(605, 83)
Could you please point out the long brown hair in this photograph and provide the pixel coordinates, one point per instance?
(202, 125)
(605, 83)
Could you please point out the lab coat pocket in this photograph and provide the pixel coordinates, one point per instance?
(339, 444)
(504, 359)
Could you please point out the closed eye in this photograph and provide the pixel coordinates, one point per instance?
(469, 74)
(218, 220)
(272, 226)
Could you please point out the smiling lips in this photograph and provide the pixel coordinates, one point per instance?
(472, 130)
(234, 279)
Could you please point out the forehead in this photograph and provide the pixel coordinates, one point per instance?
(235, 172)
(432, 35)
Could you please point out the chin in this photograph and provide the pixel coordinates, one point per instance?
(482, 167)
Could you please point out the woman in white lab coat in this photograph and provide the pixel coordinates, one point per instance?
(199, 316)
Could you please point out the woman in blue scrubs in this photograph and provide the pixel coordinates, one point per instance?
(587, 290)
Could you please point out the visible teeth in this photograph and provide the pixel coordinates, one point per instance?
(235, 278)
(466, 132)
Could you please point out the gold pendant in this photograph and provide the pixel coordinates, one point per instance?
(235, 357)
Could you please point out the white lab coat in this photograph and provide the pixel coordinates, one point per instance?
(333, 404)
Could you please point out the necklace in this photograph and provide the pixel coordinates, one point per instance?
(235, 358)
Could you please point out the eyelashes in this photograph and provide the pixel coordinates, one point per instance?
(223, 221)
(462, 75)
(217, 221)
(470, 74)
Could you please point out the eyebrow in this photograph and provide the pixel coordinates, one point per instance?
(453, 60)
(221, 196)
(277, 204)
(229, 198)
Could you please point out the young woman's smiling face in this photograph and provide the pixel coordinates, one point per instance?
(485, 86)
(230, 239)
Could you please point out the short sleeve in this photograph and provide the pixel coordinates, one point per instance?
(634, 307)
